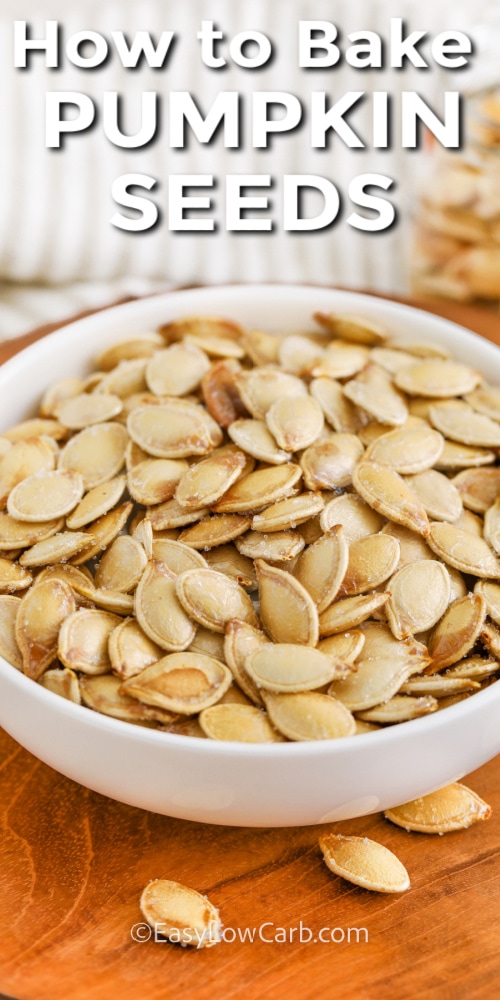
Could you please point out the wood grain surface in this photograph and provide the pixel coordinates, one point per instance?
(73, 865)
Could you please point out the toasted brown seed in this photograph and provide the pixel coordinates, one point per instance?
(87, 409)
(9, 648)
(205, 483)
(261, 387)
(345, 646)
(13, 577)
(354, 328)
(104, 531)
(219, 390)
(212, 599)
(183, 915)
(278, 545)
(454, 807)
(459, 422)
(420, 595)
(408, 449)
(490, 637)
(372, 560)
(58, 548)
(329, 464)
(97, 502)
(322, 566)
(175, 429)
(478, 488)
(177, 370)
(400, 708)
(437, 378)
(103, 693)
(346, 614)
(440, 497)
(287, 667)
(155, 480)
(158, 611)
(83, 640)
(238, 723)
(184, 682)
(364, 862)
(355, 516)
(260, 488)
(295, 422)
(122, 565)
(45, 496)
(385, 491)
(97, 453)
(374, 392)
(130, 650)
(216, 530)
(463, 550)
(456, 632)
(41, 613)
(64, 682)
(287, 610)
(308, 715)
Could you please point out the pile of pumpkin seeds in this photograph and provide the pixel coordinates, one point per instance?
(239, 535)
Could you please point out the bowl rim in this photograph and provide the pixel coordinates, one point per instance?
(399, 731)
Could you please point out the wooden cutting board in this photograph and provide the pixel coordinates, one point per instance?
(73, 865)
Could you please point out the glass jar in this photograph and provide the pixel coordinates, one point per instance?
(456, 245)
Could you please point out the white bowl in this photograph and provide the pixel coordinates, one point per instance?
(231, 783)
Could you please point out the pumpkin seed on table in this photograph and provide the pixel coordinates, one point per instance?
(9, 647)
(285, 667)
(184, 682)
(454, 807)
(388, 494)
(308, 715)
(212, 599)
(287, 611)
(420, 594)
(184, 915)
(364, 862)
(240, 723)
(41, 614)
(62, 681)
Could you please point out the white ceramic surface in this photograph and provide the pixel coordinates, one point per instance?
(261, 785)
